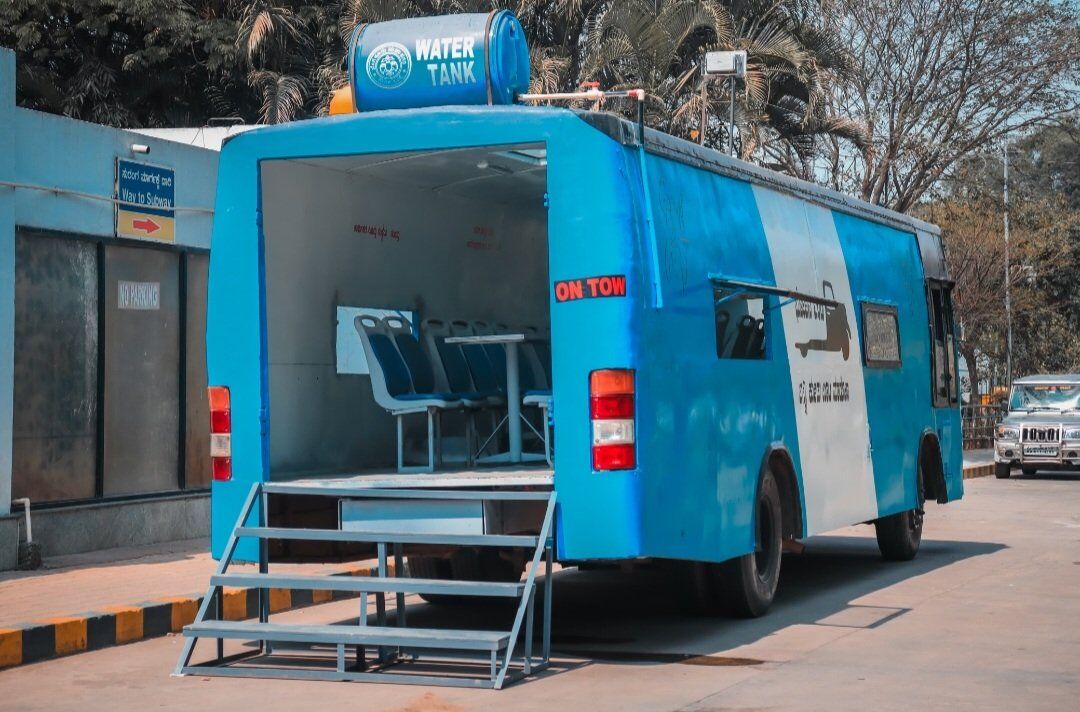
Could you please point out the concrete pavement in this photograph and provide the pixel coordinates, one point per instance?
(985, 618)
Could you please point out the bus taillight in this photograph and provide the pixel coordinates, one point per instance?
(611, 410)
(220, 433)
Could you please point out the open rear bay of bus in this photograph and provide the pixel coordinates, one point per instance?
(454, 237)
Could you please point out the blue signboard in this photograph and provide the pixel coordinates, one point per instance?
(146, 199)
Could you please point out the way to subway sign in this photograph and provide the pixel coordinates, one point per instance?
(569, 290)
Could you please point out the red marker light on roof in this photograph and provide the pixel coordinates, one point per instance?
(611, 409)
(220, 433)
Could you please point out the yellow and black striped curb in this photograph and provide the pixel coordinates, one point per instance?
(116, 625)
(978, 471)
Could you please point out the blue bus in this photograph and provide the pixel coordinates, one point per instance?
(694, 359)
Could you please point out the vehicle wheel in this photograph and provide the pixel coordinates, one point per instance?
(464, 565)
(899, 535)
(745, 586)
(430, 567)
(1029, 470)
(1002, 470)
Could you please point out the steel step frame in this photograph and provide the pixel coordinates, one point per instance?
(389, 664)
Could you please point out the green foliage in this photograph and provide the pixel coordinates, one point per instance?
(160, 62)
(125, 62)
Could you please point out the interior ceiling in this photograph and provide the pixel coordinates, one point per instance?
(507, 174)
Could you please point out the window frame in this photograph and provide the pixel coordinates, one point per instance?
(884, 308)
(743, 293)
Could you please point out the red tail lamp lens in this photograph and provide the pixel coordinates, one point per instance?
(220, 433)
(611, 409)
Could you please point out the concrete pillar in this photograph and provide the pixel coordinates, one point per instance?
(7, 269)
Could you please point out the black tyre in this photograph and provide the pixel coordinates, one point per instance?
(464, 565)
(899, 535)
(747, 585)
(430, 567)
(1029, 470)
(1002, 470)
(742, 587)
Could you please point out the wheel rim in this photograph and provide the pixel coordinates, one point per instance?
(763, 555)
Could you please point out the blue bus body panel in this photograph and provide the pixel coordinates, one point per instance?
(591, 226)
(703, 421)
(704, 424)
(881, 262)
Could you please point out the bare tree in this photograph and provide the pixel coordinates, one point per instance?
(940, 79)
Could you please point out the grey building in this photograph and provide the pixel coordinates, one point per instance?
(104, 244)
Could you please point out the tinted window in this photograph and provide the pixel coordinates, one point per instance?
(739, 322)
(56, 356)
(881, 335)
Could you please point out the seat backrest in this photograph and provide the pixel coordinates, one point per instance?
(497, 356)
(483, 375)
(421, 374)
(538, 354)
(743, 341)
(451, 368)
(389, 375)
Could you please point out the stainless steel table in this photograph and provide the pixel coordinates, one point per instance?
(513, 387)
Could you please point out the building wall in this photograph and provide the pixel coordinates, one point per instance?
(75, 155)
(78, 160)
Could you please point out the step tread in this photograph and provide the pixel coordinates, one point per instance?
(352, 634)
(512, 540)
(370, 584)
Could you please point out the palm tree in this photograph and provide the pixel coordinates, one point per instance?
(296, 56)
(657, 45)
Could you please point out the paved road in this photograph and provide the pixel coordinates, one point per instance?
(987, 618)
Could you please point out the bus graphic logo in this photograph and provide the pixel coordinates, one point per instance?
(389, 65)
(837, 329)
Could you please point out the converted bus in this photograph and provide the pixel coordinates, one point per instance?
(730, 359)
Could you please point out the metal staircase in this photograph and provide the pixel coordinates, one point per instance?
(381, 652)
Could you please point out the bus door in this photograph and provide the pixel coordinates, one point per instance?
(944, 378)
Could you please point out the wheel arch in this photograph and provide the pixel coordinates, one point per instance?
(778, 460)
(932, 467)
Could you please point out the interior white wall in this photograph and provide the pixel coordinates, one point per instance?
(444, 265)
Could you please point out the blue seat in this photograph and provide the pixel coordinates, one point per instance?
(537, 351)
(476, 358)
(394, 387)
(451, 369)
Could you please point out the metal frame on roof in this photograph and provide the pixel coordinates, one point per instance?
(677, 149)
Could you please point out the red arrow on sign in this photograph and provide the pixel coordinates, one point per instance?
(148, 225)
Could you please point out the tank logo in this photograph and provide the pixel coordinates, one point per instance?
(389, 65)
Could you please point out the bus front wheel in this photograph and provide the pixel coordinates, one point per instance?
(745, 586)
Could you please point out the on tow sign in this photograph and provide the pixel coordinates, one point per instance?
(145, 194)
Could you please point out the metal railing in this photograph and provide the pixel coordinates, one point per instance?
(978, 422)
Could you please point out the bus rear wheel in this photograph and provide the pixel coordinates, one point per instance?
(899, 535)
(464, 565)
(744, 587)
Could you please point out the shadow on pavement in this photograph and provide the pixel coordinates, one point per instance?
(1050, 475)
(636, 617)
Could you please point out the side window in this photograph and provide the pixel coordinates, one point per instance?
(950, 345)
(739, 319)
(881, 335)
(943, 350)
